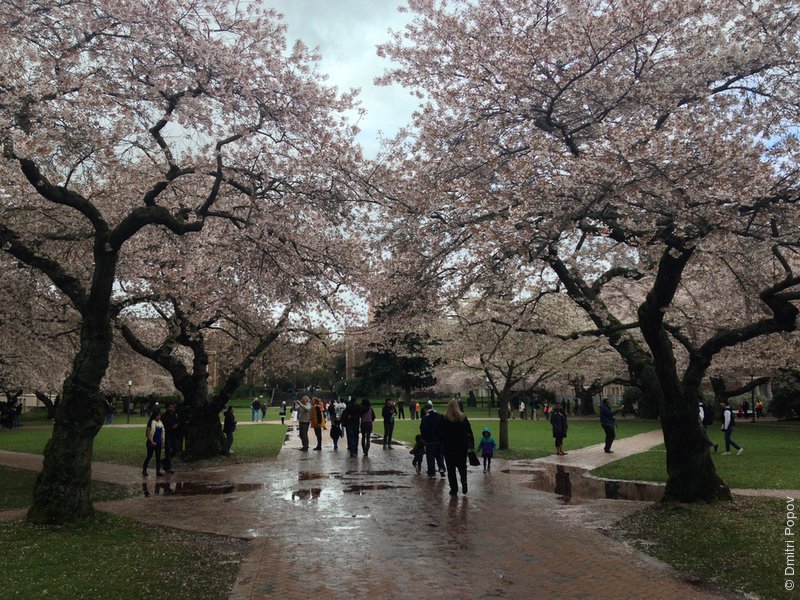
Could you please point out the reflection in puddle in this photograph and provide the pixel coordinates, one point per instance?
(310, 494)
(187, 488)
(360, 489)
(309, 476)
(571, 485)
(377, 473)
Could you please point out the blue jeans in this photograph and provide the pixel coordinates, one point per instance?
(435, 456)
(256, 414)
(729, 442)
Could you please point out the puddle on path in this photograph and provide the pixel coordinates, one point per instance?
(302, 476)
(360, 489)
(378, 473)
(572, 486)
(309, 494)
(187, 488)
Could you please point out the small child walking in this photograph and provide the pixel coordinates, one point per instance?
(418, 451)
(486, 446)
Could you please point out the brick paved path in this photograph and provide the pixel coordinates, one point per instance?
(324, 525)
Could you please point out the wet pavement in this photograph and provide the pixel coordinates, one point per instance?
(326, 525)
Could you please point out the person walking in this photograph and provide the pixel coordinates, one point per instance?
(367, 420)
(401, 410)
(457, 440)
(303, 408)
(282, 412)
(351, 419)
(155, 442)
(430, 429)
(728, 423)
(317, 421)
(558, 420)
(228, 427)
(608, 422)
(256, 406)
(418, 451)
(172, 436)
(706, 418)
(389, 413)
(486, 446)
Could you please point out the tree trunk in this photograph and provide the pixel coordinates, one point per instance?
(586, 401)
(691, 476)
(49, 404)
(407, 394)
(691, 472)
(204, 438)
(61, 492)
(504, 398)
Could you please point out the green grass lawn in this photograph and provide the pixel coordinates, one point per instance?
(112, 557)
(532, 439)
(772, 451)
(127, 446)
(739, 545)
(17, 489)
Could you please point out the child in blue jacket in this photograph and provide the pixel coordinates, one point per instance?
(486, 446)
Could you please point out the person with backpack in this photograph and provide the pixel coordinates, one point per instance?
(706, 417)
(728, 423)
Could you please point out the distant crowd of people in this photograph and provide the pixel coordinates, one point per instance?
(11, 414)
(445, 441)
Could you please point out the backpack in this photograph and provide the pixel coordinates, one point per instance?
(708, 416)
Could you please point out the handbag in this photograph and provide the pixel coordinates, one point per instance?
(473, 458)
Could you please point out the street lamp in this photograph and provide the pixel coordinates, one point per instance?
(130, 400)
(752, 398)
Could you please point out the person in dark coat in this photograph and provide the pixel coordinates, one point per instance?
(457, 440)
(228, 427)
(607, 421)
(558, 420)
(367, 419)
(430, 429)
(389, 413)
(351, 420)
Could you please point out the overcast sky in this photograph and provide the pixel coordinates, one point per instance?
(346, 33)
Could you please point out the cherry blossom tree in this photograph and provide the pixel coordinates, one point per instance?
(38, 332)
(643, 147)
(124, 116)
(518, 344)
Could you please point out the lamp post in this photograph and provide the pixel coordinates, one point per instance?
(752, 398)
(130, 401)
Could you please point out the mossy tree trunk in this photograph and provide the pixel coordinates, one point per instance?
(61, 493)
